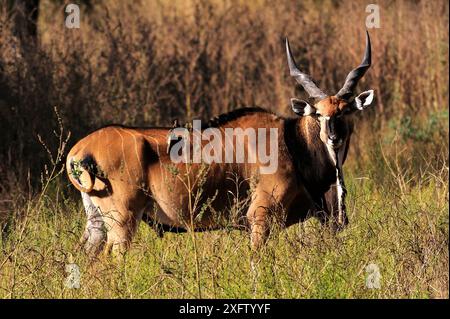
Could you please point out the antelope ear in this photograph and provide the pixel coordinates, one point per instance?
(363, 100)
(302, 108)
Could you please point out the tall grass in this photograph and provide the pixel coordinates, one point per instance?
(404, 233)
(148, 62)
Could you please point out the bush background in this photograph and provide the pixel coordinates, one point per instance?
(149, 62)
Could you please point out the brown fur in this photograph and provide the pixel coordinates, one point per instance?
(331, 106)
(133, 176)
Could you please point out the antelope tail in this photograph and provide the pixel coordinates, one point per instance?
(81, 173)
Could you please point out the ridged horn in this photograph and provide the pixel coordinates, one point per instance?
(302, 78)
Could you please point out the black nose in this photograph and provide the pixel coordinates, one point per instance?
(333, 137)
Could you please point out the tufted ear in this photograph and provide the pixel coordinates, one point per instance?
(363, 100)
(302, 108)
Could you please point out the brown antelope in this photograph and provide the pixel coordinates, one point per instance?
(127, 174)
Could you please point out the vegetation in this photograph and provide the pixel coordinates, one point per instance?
(149, 62)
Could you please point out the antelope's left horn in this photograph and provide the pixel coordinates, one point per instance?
(303, 78)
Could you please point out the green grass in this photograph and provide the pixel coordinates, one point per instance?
(405, 235)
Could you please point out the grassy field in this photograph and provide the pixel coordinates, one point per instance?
(404, 233)
(148, 62)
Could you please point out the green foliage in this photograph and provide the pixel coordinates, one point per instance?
(405, 234)
(435, 126)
